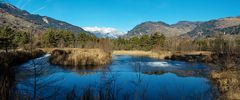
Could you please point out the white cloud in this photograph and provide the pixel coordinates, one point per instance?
(39, 9)
(104, 30)
(25, 3)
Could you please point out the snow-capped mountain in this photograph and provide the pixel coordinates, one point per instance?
(104, 32)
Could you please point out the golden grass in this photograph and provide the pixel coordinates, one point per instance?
(156, 55)
(80, 57)
(159, 54)
(228, 83)
(208, 53)
(14, 58)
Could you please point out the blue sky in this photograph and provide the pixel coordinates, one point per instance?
(125, 14)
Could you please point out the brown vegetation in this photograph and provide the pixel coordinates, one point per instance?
(7, 70)
(226, 56)
(10, 59)
(156, 55)
(193, 56)
(7, 78)
(228, 83)
(80, 57)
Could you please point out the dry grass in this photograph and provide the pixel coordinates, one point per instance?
(156, 55)
(228, 83)
(49, 50)
(80, 57)
(208, 53)
(159, 54)
(13, 58)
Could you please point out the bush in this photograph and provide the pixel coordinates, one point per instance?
(80, 57)
(11, 59)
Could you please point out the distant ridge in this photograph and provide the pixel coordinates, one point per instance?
(228, 25)
(166, 29)
(22, 20)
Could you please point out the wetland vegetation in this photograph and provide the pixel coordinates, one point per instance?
(222, 67)
(57, 61)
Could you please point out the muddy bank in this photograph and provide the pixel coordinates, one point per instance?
(80, 57)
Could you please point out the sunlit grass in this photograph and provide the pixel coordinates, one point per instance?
(12, 58)
(228, 83)
(159, 54)
(80, 57)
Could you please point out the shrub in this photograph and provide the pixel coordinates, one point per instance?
(80, 57)
(11, 59)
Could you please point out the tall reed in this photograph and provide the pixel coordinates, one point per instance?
(80, 57)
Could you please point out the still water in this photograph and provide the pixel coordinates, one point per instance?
(127, 77)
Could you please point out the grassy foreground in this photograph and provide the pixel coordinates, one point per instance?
(80, 57)
(228, 83)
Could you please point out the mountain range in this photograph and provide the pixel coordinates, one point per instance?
(104, 32)
(18, 19)
(24, 21)
(229, 25)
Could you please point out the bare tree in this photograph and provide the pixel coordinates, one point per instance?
(226, 52)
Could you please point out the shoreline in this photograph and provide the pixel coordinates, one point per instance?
(93, 57)
(11, 59)
(191, 56)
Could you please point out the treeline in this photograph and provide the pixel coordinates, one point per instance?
(13, 39)
(158, 42)
(63, 38)
(53, 38)
(144, 42)
(225, 52)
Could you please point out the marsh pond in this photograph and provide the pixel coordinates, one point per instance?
(125, 78)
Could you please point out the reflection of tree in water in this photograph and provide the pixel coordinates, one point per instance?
(7, 79)
(111, 87)
(140, 88)
(181, 68)
(85, 70)
(106, 88)
(77, 68)
(41, 80)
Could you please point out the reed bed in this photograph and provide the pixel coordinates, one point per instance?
(185, 56)
(80, 57)
(152, 54)
(228, 83)
(14, 58)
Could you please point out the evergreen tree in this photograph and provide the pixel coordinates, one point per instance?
(6, 38)
(21, 38)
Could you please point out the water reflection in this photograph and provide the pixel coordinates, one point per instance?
(125, 78)
(34, 78)
(153, 66)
